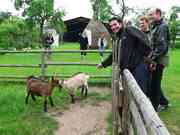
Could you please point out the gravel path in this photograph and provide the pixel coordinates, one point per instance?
(84, 119)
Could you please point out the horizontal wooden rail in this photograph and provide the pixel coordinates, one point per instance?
(44, 63)
(61, 76)
(57, 51)
(149, 115)
(48, 63)
(138, 121)
(20, 65)
(70, 63)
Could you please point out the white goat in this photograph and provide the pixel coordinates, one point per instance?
(76, 81)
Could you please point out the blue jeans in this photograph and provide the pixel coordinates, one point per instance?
(141, 75)
(156, 94)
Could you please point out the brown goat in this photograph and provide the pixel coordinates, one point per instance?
(37, 87)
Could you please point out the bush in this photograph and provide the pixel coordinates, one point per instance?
(14, 33)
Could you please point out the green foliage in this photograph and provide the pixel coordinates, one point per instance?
(4, 16)
(137, 13)
(105, 8)
(15, 34)
(57, 22)
(101, 10)
(173, 30)
(41, 12)
(174, 23)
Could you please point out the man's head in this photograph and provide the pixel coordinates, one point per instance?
(115, 24)
(144, 23)
(129, 23)
(156, 14)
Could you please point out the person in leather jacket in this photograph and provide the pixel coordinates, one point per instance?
(160, 39)
(133, 46)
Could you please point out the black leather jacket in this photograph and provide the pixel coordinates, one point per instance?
(134, 47)
(160, 38)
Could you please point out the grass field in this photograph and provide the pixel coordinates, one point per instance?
(171, 87)
(56, 57)
(17, 118)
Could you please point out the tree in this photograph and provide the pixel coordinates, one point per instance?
(123, 9)
(173, 23)
(41, 12)
(14, 33)
(4, 16)
(137, 13)
(101, 10)
(174, 13)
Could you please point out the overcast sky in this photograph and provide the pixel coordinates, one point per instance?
(76, 8)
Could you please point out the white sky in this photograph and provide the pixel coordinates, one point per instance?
(76, 8)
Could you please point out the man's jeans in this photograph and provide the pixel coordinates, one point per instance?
(155, 91)
(141, 76)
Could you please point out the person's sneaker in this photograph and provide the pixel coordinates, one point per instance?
(163, 107)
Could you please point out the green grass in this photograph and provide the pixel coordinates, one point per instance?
(110, 126)
(56, 57)
(171, 87)
(18, 118)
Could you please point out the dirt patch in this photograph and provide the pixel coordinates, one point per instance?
(84, 119)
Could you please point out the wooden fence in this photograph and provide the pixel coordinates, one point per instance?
(132, 112)
(44, 63)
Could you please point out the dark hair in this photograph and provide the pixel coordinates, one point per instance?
(117, 19)
(157, 10)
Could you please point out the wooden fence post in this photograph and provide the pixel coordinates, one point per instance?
(115, 112)
(43, 66)
(117, 95)
(126, 119)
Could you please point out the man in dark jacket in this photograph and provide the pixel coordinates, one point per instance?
(133, 46)
(83, 41)
(159, 41)
(48, 41)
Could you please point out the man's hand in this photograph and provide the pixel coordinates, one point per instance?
(152, 67)
(99, 66)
